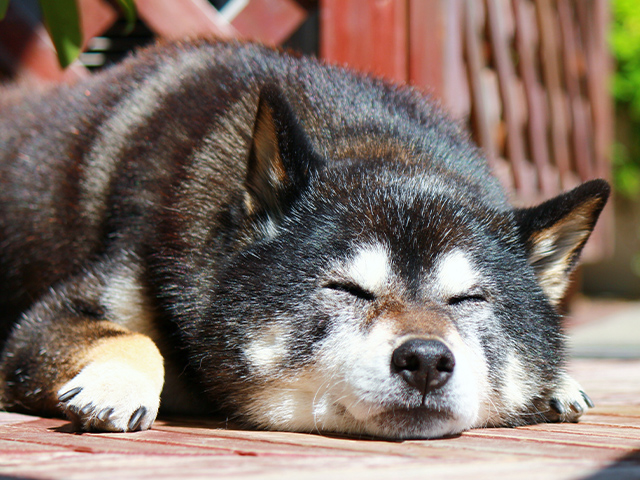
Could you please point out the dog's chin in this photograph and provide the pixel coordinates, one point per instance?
(408, 423)
(393, 423)
(304, 410)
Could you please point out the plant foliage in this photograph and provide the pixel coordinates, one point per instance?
(63, 23)
(4, 4)
(625, 45)
(62, 19)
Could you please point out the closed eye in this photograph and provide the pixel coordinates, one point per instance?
(467, 299)
(352, 289)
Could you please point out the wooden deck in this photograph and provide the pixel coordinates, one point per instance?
(604, 445)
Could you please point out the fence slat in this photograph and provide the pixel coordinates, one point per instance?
(473, 49)
(269, 21)
(427, 38)
(497, 15)
(581, 134)
(594, 18)
(436, 62)
(526, 45)
(370, 36)
(175, 19)
(594, 23)
(553, 83)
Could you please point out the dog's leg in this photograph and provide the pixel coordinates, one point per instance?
(71, 354)
(568, 401)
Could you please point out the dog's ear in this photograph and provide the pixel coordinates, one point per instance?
(281, 158)
(555, 232)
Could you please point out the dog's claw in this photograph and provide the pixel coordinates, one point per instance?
(576, 407)
(557, 406)
(567, 402)
(66, 396)
(587, 399)
(136, 418)
(104, 414)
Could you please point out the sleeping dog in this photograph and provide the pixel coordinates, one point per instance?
(221, 227)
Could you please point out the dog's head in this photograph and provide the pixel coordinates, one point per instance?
(383, 297)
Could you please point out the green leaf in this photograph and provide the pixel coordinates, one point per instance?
(63, 22)
(4, 4)
(129, 10)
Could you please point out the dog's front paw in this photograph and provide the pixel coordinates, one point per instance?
(568, 402)
(111, 396)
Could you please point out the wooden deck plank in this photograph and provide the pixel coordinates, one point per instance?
(605, 444)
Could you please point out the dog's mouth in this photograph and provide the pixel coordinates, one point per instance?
(422, 413)
(398, 422)
(348, 414)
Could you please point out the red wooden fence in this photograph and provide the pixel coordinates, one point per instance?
(528, 76)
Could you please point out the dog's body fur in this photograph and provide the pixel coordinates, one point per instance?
(303, 248)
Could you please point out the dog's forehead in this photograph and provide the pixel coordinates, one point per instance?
(411, 231)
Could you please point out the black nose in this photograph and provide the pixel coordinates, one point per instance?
(424, 364)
